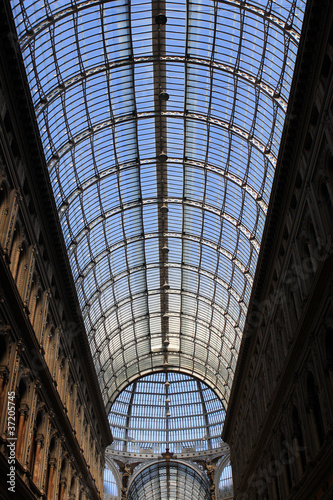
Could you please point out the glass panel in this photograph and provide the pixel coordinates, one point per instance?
(163, 247)
(159, 412)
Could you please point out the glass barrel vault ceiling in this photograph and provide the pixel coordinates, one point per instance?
(163, 247)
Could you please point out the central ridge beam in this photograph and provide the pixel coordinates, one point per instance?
(159, 71)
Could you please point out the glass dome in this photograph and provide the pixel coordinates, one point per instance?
(167, 410)
(171, 480)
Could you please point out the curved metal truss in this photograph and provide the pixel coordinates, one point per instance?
(169, 479)
(161, 123)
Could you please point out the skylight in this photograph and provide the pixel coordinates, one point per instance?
(162, 202)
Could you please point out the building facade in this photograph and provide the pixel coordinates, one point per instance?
(49, 398)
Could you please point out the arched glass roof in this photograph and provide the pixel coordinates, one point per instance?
(161, 123)
(166, 411)
(169, 480)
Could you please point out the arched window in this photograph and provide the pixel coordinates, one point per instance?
(274, 470)
(22, 269)
(316, 420)
(110, 489)
(21, 417)
(326, 200)
(36, 311)
(62, 481)
(308, 264)
(3, 213)
(287, 482)
(34, 299)
(36, 448)
(17, 251)
(3, 372)
(225, 483)
(328, 361)
(275, 490)
(298, 442)
(49, 332)
(329, 349)
(72, 488)
(50, 475)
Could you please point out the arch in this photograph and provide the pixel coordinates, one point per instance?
(63, 479)
(116, 475)
(34, 297)
(61, 373)
(49, 334)
(36, 308)
(71, 399)
(112, 480)
(324, 192)
(223, 482)
(36, 447)
(94, 180)
(4, 207)
(242, 134)
(51, 348)
(22, 269)
(298, 442)
(16, 250)
(72, 489)
(286, 461)
(189, 481)
(3, 348)
(221, 388)
(327, 200)
(44, 22)
(22, 409)
(308, 263)
(89, 267)
(314, 411)
(221, 281)
(81, 78)
(140, 426)
(329, 349)
(51, 464)
(4, 372)
(204, 207)
(274, 468)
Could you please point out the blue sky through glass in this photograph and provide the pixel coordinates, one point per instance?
(95, 70)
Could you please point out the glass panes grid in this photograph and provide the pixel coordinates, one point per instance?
(225, 483)
(110, 490)
(139, 423)
(95, 70)
(174, 481)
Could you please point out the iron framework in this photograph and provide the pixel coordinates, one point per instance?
(169, 480)
(161, 123)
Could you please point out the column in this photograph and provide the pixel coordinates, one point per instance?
(38, 455)
(50, 484)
